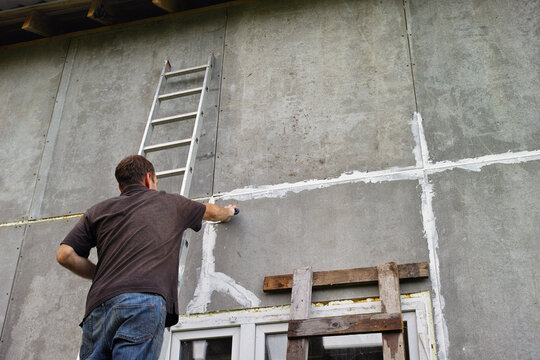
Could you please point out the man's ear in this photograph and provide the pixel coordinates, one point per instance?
(147, 180)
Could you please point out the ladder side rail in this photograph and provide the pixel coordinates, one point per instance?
(186, 181)
(153, 111)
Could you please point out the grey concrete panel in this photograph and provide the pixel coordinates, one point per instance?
(10, 241)
(30, 78)
(488, 251)
(47, 300)
(111, 90)
(339, 227)
(477, 75)
(312, 89)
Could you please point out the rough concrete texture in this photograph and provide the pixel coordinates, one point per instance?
(324, 89)
(311, 89)
(339, 227)
(30, 78)
(48, 301)
(111, 90)
(10, 241)
(488, 247)
(477, 76)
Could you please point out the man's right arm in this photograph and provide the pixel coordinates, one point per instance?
(218, 213)
(68, 258)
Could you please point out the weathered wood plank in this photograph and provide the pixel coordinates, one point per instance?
(297, 349)
(40, 24)
(393, 344)
(342, 325)
(345, 277)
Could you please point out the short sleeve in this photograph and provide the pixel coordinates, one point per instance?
(81, 237)
(192, 211)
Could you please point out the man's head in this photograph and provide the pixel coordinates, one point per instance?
(136, 169)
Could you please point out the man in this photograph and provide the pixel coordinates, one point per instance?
(134, 284)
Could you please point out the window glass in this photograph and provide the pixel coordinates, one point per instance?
(211, 349)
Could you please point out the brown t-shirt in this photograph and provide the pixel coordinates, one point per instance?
(138, 236)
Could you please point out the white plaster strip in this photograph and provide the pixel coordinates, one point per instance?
(281, 190)
(432, 237)
(476, 164)
(210, 280)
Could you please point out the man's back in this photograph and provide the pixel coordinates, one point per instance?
(134, 284)
(137, 236)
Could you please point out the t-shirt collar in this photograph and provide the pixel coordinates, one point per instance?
(133, 188)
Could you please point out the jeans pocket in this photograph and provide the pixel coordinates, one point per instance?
(137, 322)
(87, 344)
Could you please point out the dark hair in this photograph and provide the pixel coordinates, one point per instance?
(132, 170)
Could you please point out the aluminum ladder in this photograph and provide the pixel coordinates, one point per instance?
(193, 140)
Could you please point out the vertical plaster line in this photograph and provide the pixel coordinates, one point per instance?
(219, 97)
(13, 282)
(203, 292)
(417, 151)
(411, 64)
(430, 232)
(52, 134)
(422, 138)
(210, 280)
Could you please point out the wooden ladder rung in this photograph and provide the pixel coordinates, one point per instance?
(359, 276)
(344, 325)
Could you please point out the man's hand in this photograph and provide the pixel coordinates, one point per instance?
(218, 213)
(68, 258)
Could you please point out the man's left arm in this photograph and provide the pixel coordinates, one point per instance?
(68, 258)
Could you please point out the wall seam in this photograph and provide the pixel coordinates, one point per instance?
(10, 299)
(411, 64)
(52, 133)
(219, 98)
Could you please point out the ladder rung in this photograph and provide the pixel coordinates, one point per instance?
(174, 118)
(167, 145)
(172, 172)
(178, 94)
(185, 71)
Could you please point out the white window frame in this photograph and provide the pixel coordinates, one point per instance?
(193, 335)
(249, 327)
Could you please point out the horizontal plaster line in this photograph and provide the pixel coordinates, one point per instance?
(34, 221)
(280, 190)
(475, 164)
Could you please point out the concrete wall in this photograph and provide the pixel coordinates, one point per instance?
(349, 133)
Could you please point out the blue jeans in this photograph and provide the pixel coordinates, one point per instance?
(128, 326)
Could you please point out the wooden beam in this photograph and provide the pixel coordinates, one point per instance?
(297, 349)
(346, 277)
(40, 24)
(342, 325)
(168, 5)
(101, 11)
(393, 344)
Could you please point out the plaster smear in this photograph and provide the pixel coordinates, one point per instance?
(476, 164)
(420, 150)
(281, 190)
(210, 280)
(430, 233)
(432, 237)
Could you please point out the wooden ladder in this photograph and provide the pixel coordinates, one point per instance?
(388, 321)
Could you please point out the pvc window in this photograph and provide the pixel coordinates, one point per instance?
(261, 335)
